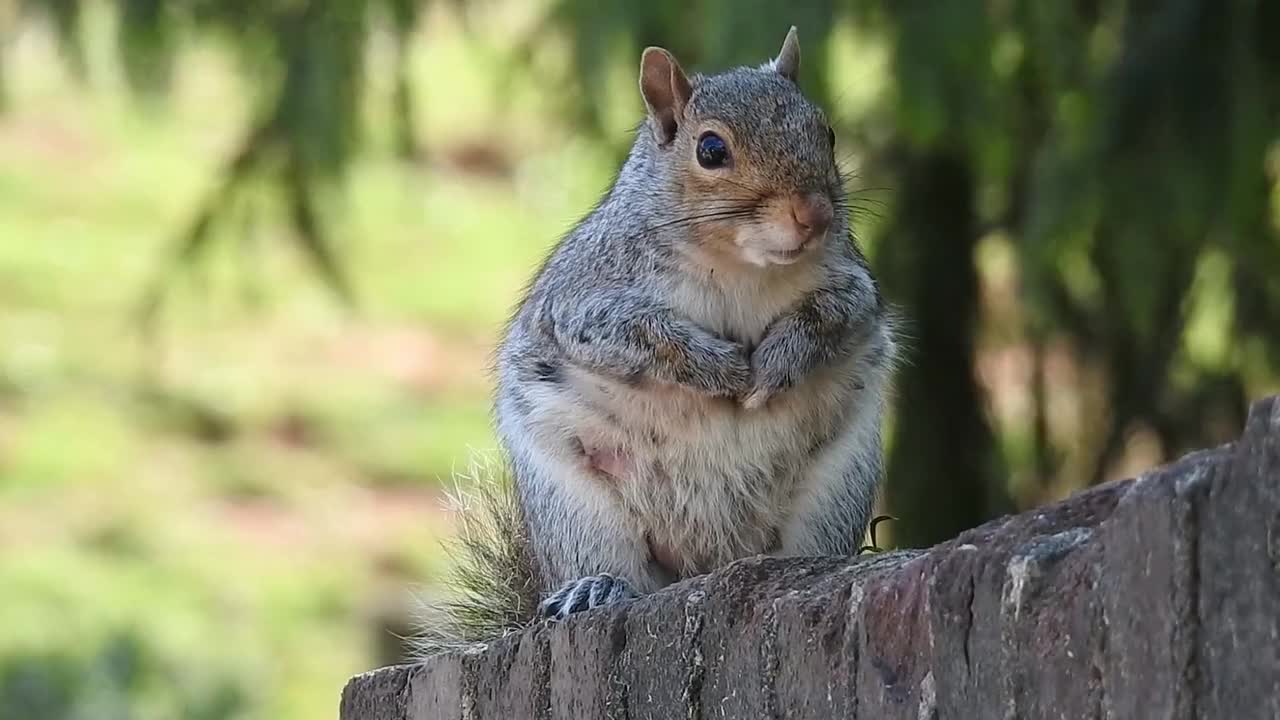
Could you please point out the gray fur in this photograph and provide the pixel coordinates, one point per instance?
(734, 409)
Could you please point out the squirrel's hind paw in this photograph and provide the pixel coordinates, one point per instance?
(586, 593)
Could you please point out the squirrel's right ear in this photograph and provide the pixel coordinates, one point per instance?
(666, 91)
(787, 64)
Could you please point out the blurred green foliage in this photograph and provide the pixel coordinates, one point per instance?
(120, 676)
(1075, 204)
(247, 499)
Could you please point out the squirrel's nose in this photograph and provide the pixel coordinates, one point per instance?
(812, 213)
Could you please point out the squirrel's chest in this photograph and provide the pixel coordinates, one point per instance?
(741, 309)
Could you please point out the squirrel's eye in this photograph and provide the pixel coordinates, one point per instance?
(712, 151)
(831, 136)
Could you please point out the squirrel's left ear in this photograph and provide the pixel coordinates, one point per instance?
(666, 90)
(787, 63)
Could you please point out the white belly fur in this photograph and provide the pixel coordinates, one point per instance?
(705, 478)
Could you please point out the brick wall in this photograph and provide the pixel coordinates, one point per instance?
(1150, 598)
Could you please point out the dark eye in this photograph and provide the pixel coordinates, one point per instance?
(712, 151)
(831, 136)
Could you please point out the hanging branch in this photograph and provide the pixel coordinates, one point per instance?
(312, 230)
(192, 242)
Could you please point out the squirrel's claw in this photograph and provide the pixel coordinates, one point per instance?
(756, 399)
(586, 593)
(760, 394)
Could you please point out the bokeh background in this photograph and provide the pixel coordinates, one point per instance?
(254, 255)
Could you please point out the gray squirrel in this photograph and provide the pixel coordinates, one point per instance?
(696, 374)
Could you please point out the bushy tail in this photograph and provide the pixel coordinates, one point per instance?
(491, 587)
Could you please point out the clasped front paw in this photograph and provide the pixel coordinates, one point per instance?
(764, 388)
(757, 398)
(772, 372)
(736, 378)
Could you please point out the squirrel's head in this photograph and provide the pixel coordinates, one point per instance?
(750, 159)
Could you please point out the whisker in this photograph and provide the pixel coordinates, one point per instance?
(711, 214)
(703, 217)
(756, 192)
(857, 202)
(726, 206)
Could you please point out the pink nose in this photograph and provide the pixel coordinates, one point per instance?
(812, 213)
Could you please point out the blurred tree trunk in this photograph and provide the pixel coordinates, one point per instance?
(944, 472)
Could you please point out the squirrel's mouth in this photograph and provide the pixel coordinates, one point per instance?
(787, 257)
(759, 244)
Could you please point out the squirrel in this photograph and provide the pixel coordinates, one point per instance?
(696, 374)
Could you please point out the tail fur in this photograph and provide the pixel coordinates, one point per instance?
(491, 587)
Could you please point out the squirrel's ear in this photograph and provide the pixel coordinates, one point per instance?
(788, 61)
(666, 91)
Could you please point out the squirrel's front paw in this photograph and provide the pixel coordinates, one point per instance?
(735, 373)
(772, 372)
(757, 397)
(765, 386)
(586, 593)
